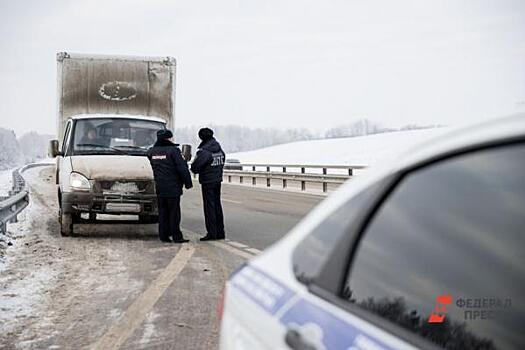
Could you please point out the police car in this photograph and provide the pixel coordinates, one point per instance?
(427, 253)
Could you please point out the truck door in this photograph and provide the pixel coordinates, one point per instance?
(65, 147)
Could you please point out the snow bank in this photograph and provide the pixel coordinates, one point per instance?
(6, 177)
(363, 150)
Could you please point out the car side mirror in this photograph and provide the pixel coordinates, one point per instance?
(186, 152)
(53, 149)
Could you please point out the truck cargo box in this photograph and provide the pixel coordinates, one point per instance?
(96, 84)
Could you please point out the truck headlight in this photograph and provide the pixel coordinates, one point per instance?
(79, 182)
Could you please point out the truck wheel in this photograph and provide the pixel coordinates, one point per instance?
(66, 224)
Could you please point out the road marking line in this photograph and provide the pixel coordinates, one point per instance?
(233, 250)
(253, 250)
(231, 201)
(237, 244)
(124, 327)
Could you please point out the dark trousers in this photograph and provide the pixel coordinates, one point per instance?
(211, 198)
(169, 218)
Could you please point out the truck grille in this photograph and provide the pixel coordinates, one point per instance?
(124, 187)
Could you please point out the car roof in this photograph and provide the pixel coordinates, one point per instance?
(118, 116)
(472, 136)
(493, 131)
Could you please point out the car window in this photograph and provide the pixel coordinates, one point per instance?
(443, 256)
(313, 252)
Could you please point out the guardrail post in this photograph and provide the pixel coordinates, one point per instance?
(268, 179)
(325, 185)
(253, 168)
(229, 178)
(240, 179)
(350, 172)
(13, 220)
(254, 181)
(303, 183)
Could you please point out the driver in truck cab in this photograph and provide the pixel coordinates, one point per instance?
(171, 172)
(90, 135)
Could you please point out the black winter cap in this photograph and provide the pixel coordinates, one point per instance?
(205, 134)
(163, 134)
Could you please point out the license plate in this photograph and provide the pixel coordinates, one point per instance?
(123, 207)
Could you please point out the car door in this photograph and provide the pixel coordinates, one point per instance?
(436, 262)
(314, 320)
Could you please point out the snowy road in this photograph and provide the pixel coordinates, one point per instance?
(117, 286)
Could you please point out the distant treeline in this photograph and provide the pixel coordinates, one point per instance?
(364, 127)
(32, 146)
(28, 148)
(234, 138)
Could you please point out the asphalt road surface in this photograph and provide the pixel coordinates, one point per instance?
(116, 286)
(253, 216)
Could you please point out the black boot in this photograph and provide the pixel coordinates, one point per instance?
(208, 238)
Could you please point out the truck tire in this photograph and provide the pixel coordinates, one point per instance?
(66, 224)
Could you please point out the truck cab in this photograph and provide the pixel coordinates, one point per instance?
(102, 167)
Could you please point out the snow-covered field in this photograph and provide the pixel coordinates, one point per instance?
(363, 150)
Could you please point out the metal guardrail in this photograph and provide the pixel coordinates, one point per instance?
(301, 175)
(18, 198)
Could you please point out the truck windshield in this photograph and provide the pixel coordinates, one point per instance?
(114, 136)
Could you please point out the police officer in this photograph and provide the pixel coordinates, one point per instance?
(171, 173)
(209, 163)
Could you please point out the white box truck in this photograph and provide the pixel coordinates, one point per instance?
(109, 111)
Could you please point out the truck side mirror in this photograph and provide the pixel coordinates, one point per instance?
(53, 149)
(186, 152)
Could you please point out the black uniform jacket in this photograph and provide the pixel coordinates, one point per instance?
(209, 162)
(169, 169)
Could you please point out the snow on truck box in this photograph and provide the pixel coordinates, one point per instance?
(109, 111)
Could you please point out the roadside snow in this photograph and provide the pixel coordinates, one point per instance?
(5, 182)
(363, 150)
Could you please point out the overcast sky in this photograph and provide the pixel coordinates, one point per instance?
(281, 63)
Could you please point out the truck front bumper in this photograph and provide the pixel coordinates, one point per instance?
(86, 202)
